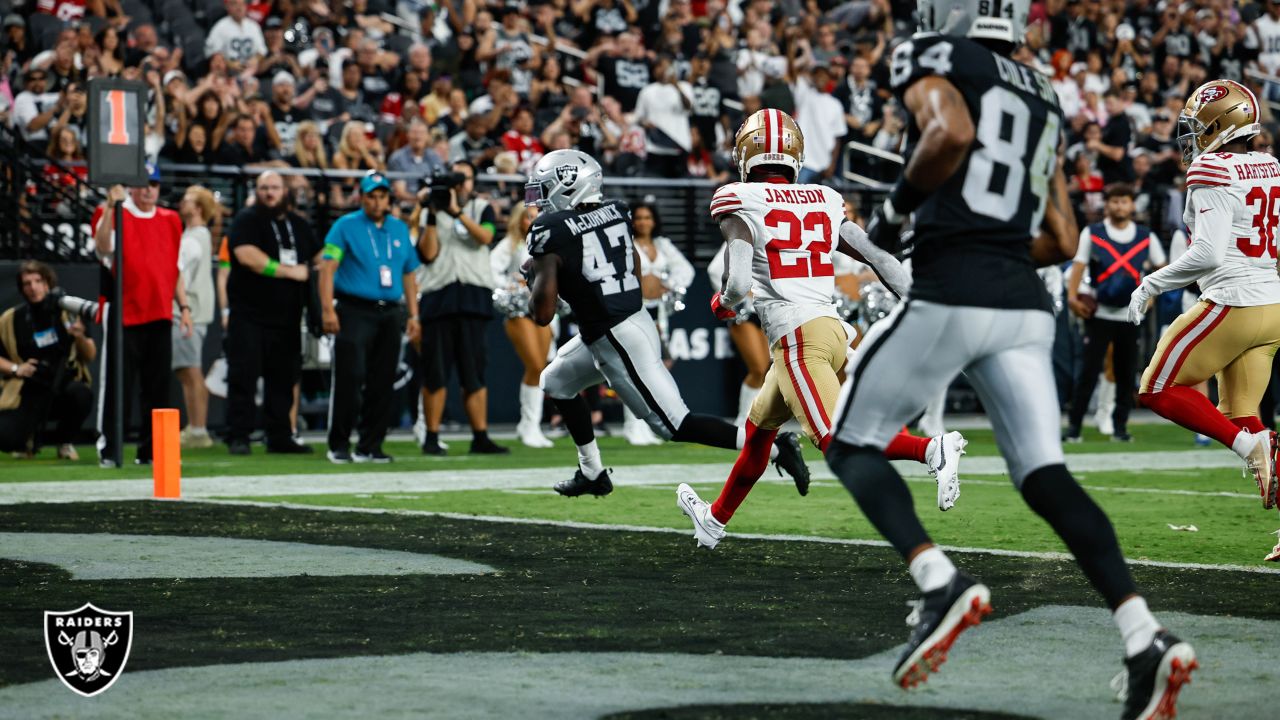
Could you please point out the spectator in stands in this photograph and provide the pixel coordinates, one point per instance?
(355, 105)
(624, 65)
(520, 139)
(16, 40)
(456, 305)
(820, 115)
(110, 59)
(707, 110)
(416, 158)
(378, 75)
(547, 92)
(34, 108)
(151, 282)
(368, 270)
(662, 109)
(285, 115)
(356, 151)
(195, 262)
(320, 99)
(272, 250)
(241, 147)
(309, 152)
(277, 58)
(238, 38)
(74, 112)
(1116, 141)
(473, 144)
(44, 366)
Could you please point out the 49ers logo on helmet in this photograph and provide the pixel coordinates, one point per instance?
(1210, 94)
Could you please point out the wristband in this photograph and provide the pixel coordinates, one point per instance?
(431, 218)
(904, 199)
(270, 269)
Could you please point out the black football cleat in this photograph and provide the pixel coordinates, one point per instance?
(1155, 677)
(791, 462)
(939, 618)
(581, 485)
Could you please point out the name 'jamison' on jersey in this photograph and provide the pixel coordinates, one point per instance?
(594, 219)
(797, 196)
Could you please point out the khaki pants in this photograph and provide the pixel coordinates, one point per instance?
(1235, 343)
(802, 381)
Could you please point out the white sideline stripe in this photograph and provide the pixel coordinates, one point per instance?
(577, 525)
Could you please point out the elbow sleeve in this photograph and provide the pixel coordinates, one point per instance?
(738, 284)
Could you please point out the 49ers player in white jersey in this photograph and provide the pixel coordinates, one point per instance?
(780, 237)
(1233, 204)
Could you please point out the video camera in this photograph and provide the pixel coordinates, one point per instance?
(433, 189)
(86, 309)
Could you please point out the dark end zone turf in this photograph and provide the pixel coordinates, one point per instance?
(556, 590)
(810, 711)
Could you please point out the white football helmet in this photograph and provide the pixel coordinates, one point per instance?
(1003, 20)
(563, 180)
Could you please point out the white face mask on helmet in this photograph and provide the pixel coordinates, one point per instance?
(563, 180)
(1002, 20)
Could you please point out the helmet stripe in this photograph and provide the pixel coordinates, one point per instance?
(768, 131)
(777, 142)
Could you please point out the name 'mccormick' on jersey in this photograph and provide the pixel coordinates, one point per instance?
(973, 234)
(598, 275)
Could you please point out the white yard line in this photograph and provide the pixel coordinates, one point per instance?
(748, 536)
(539, 478)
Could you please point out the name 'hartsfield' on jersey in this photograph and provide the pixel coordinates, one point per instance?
(974, 232)
(795, 228)
(1244, 187)
(598, 274)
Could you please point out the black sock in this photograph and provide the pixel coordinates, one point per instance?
(577, 418)
(433, 439)
(707, 430)
(881, 493)
(1056, 496)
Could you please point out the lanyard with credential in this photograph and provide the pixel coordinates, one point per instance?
(288, 226)
(373, 243)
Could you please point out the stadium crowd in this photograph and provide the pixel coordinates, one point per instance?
(650, 87)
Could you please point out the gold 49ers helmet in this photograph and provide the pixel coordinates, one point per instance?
(1217, 113)
(769, 137)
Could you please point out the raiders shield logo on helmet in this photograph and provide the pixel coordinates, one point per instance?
(88, 646)
(566, 174)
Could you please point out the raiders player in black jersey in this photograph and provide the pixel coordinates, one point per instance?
(581, 250)
(985, 185)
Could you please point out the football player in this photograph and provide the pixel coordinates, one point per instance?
(985, 184)
(581, 250)
(779, 237)
(1233, 196)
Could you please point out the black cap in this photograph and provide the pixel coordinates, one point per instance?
(273, 23)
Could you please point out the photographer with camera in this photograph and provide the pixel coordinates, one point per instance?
(44, 363)
(457, 301)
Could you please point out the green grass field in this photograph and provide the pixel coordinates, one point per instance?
(606, 607)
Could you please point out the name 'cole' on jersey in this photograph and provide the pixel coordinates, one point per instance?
(973, 234)
(795, 228)
(1246, 186)
(597, 276)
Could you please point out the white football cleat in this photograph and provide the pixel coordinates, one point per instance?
(706, 529)
(1261, 464)
(531, 436)
(943, 458)
(638, 432)
(1275, 551)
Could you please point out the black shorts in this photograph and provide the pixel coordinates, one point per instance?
(453, 342)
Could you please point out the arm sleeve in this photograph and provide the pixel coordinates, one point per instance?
(738, 284)
(1208, 243)
(885, 265)
(680, 270)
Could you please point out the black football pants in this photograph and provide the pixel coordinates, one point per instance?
(272, 353)
(366, 351)
(147, 350)
(1123, 336)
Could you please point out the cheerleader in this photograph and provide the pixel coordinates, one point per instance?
(665, 274)
(747, 337)
(531, 342)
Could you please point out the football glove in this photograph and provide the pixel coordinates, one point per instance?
(884, 233)
(723, 312)
(1138, 303)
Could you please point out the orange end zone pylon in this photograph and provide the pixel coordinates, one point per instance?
(166, 467)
